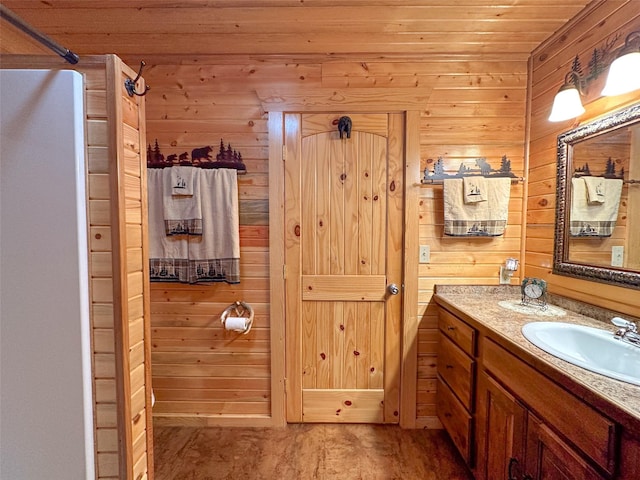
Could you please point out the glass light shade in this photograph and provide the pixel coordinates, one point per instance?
(624, 75)
(566, 105)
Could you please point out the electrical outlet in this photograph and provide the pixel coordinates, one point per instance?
(617, 256)
(425, 254)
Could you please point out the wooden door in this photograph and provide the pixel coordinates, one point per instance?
(343, 242)
(501, 432)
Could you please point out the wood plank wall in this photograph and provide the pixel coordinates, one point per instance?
(549, 64)
(201, 373)
(128, 184)
(101, 262)
(470, 107)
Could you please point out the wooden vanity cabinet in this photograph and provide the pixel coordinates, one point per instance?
(518, 424)
(456, 381)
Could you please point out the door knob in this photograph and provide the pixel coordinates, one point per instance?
(393, 289)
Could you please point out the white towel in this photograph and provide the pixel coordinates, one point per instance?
(182, 180)
(475, 189)
(168, 255)
(182, 213)
(215, 256)
(478, 219)
(595, 189)
(594, 220)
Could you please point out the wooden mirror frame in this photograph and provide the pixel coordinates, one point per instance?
(561, 265)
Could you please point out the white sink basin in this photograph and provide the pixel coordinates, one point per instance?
(590, 348)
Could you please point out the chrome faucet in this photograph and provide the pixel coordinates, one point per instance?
(627, 331)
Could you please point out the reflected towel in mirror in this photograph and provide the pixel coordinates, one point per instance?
(598, 219)
(595, 189)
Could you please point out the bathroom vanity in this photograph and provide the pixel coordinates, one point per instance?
(516, 412)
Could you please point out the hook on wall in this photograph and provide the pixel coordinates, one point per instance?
(130, 85)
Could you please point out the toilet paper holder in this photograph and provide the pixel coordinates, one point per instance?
(241, 321)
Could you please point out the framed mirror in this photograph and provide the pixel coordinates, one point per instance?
(597, 232)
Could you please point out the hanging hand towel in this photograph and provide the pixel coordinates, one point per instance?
(475, 189)
(595, 189)
(182, 180)
(594, 220)
(215, 256)
(480, 219)
(168, 255)
(182, 213)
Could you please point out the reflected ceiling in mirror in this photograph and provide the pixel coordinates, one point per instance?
(597, 234)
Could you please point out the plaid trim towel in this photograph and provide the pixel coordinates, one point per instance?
(216, 254)
(594, 219)
(480, 219)
(212, 257)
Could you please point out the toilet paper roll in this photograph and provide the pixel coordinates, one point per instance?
(237, 324)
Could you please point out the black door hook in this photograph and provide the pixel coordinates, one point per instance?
(130, 85)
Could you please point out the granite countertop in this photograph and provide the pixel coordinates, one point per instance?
(480, 306)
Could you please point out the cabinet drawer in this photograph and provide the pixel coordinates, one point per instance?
(455, 418)
(587, 429)
(458, 331)
(457, 370)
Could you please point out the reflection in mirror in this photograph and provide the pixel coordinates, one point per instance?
(598, 200)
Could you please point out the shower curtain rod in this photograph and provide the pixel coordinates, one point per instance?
(15, 20)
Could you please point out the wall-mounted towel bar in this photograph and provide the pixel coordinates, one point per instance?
(438, 175)
(200, 157)
(631, 180)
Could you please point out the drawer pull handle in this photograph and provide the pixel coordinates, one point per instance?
(450, 327)
(448, 365)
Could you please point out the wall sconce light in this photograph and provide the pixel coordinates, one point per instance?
(623, 77)
(506, 270)
(567, 103)
(624, 72)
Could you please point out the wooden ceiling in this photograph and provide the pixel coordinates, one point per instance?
(191, 28)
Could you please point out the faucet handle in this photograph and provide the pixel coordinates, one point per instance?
(622, 323)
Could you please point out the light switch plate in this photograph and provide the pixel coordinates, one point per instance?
(425, 254)
(617, 256)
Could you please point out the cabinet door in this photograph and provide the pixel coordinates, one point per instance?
(549, 458)
(501, 432)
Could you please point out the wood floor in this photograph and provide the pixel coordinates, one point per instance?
(300, 452)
